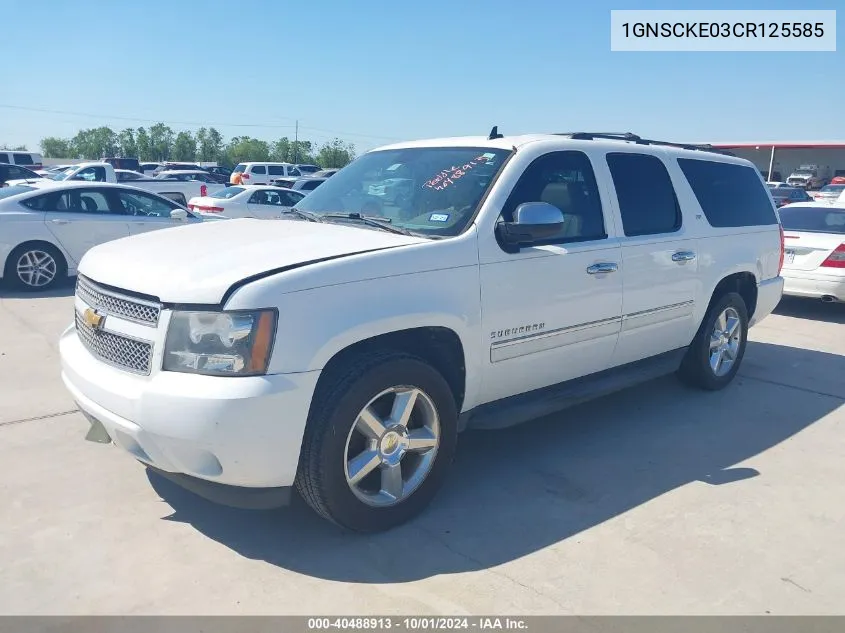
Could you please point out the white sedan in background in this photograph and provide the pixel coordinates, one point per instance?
(44, 232)
(814, 257)
(247, 201)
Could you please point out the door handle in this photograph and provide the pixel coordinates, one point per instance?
(58, 221)
(603, 267)
(683, 256)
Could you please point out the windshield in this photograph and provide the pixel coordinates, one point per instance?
(784, 192)
(813, 219)
(833, 188)
(241, 168)
(432, 191)
(802, 172)
(61, 174)
(13, 190)
(228, 192)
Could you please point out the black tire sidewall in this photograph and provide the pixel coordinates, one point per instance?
(699, 360)
(10, 273)
(344, 507)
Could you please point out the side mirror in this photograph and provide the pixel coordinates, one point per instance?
(179, 214)
(533, 222)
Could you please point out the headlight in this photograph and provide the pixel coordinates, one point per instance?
(220, 343)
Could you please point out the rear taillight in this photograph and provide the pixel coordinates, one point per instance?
(245, 176)
(836, 259)
(203, 191)
(782, 248)
(208, 209)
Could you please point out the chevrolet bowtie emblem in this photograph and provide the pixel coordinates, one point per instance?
(93, 319)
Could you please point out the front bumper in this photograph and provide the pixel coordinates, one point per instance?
(206, 433)
(769, 293)
(813, 285)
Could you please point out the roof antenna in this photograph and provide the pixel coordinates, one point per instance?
(494, 133)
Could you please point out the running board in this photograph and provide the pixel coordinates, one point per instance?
(535, 404)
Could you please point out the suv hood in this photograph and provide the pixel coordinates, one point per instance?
(199, 263)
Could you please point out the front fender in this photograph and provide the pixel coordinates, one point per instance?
(314, 325)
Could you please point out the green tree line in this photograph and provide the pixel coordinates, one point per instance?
(160, 142)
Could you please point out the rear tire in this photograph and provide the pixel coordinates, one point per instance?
(405, 465)
(34, 267)
(716, 352)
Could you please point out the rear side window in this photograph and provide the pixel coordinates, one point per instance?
(5, 158)
(23, 159)
(730, 195)
(276, 170)
(308, 186)
(647, 200)
(813, 219)
(259, 169)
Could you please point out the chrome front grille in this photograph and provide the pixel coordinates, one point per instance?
(116, 349)
(130, 308)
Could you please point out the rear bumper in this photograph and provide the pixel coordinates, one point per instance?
(769, 293)
(813, 285)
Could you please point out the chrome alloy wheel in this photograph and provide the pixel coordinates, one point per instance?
(392, 445)
(36, 268)
(725, 341)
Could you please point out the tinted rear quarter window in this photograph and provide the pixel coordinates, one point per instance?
(23, 159)
(259, 169)
(647, 200)
(276, 170)
(730, 195)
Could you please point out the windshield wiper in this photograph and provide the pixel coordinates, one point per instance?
(307, 215)
(376, 221)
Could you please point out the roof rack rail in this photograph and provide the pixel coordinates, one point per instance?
(631, 137)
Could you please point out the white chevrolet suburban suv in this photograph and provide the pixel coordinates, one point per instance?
(341, 352)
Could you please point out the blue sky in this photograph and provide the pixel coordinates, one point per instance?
(372, 72)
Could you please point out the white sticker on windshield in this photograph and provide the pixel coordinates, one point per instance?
(438, 217)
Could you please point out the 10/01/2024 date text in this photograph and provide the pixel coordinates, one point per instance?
(416, 624)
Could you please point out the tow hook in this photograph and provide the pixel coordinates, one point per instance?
(97, 432)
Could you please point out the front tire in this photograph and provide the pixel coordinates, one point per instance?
(35, 267)
(716, 352)
(379, 440)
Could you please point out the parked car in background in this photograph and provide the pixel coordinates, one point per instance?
(809, 177)
(307, 184)
(789, 195)
(342, 353)
(776, 176)
(262, 173)
(44, 232)
(220, 171)
(776, 183)
(287, 183)
(126, 175)
(173, 166)
(179, 190)
(47, 171)
(247, 201)
(828, 193)
(15, 172)
(307, 169)
(148, 168)
(30, 160)
(837, 180)
(187, 174)
(814, 259)
(132, 164)
(325, 173)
